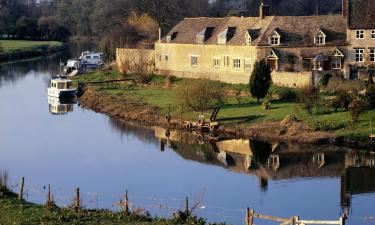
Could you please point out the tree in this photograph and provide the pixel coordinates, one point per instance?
(260, 80)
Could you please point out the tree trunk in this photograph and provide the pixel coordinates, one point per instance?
(258, 101)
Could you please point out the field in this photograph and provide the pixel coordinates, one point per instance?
(156, 94)
(13, 45)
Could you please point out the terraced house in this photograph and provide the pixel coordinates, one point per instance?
(299, 49)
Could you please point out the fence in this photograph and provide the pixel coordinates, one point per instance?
(294, 220)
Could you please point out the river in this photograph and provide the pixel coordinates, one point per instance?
(68, 147)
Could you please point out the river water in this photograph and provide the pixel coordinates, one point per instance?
(68, 147)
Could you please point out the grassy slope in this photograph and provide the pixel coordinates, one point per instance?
(157, 95)
(12, 45)
(13, 211)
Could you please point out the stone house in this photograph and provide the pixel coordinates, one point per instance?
(299, 49)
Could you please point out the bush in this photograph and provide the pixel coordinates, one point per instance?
(370, 95)
(325, 79)
(202, 94)
(337, 84)
(260, 80)
(308, 97)
(328, 125)
(266, 104)
(283, 93)
(356, 108)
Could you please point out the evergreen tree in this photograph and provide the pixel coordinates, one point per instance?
(260, 80)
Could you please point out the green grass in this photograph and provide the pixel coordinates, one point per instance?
(156, 94)
(14, 211)
(14, 45)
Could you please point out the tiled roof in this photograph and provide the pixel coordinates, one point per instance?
(294, 31)
(300, 30)
(362, 14)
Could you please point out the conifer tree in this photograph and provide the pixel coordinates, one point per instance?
(260, 80)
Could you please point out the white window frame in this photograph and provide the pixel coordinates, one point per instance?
(372, 54)
(372, 34)
(274, 39)
(216, 62)
(320, 38)
(236, 63)
(360, 34)
(336, 63)
(194, 60)
(248, 39)
(359, 54)
(247, 64)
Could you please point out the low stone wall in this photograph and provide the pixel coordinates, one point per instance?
(292, 79)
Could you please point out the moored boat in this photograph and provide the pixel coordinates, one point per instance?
(61, 88)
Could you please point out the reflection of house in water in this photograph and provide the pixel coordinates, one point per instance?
(278, 161)
(60, 106)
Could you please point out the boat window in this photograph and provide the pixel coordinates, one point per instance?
(96, 57)
(88, 57)
(68, 85)
(60, 85)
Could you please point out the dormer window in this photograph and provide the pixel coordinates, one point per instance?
(169, 39)
(274, 39)
(226, 35)
(204, 35)
(320, 38)
(248, 39)
(200, 37)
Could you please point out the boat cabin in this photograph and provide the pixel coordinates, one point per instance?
(61, 84)
(91, 57)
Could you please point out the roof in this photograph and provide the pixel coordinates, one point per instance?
(294, 30)
(188, 28)
(301, 30)
(362, 14)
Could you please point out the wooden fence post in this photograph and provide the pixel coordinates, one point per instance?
(247, 216)
(49, 200)
(251, 219)
(187, 206)
(77, 204)
(126, 202)
(20, 196)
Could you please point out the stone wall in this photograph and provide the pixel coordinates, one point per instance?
(128, 59)
(292, 79)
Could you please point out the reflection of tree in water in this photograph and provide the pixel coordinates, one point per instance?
(133, 130)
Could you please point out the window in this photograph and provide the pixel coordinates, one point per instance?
(194, 60)
(360, 34)
(248, 39)
(373, 34)
(247, 64)
(236, 63)
(274, 39)
(320, 38)
(169, 39)
(226, 60)
(372, 54)
(166, 57)
(216, 62)
(359, 53)
(336, 63)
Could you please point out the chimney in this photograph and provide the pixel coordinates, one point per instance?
(159, 34)
(345, 9)
(263, 10)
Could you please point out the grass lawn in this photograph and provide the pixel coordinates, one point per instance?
(12, 45)
(156, 94)
(13, 211)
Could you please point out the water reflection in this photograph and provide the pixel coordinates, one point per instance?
(273, 161)
(61, 106)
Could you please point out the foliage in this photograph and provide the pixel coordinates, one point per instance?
(283, 93)
(356, 108)
(308, 97)
(370, 95)
(337, 84)
(202, 94)
(325, 79)
(260, 80)
(328, 125)
(266, 104)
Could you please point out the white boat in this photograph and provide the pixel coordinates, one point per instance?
(59, 106)
(73, 67)
(61, 88)
(91, 59)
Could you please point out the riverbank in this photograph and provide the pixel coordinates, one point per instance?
(15, 211)
(20, 49)
(148, 104)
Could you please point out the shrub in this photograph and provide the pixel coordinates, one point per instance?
(202, 94)
(356, 108)
(325, 79)
(308, 97)
(283, 93)
(328, 125)
(370, 95)
(266, 104)
(336, 84)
